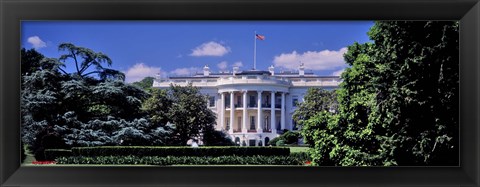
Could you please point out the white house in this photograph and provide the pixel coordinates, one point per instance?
(253, 106)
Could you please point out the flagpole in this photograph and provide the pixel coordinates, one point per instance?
(255, 51)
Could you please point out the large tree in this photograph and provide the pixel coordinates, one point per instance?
(316, 100)
(146, 83)
(186, 108)
(59, 107)
(84, 59)
(398, 103)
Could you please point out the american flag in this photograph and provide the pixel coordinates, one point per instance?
(260, 37)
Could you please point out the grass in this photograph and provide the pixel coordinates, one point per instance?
(298, 149)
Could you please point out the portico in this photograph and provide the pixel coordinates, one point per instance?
(252, 111)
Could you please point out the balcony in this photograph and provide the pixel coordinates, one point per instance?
(258, 79)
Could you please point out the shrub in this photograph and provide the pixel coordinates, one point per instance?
(52, 154)
(184, 160)
(289, 137)
(280, 143)
(217, 138)
(304, 156)
(179, 151)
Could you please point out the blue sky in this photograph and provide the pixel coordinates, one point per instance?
(180, 48)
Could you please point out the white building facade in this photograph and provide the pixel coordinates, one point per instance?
(253, 106)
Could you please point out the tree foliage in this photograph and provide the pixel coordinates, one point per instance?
(398, 102)
(185, 107)
(146, 83)
(316, 101)
(85, 59)
(288, 137)
(60, 109)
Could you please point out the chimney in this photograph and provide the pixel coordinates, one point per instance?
(301, 70)
(206, 71)
(271, 70)
(235, 70)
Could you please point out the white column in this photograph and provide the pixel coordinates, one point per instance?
(282, 120)
(259, 112)
(244, 120)
(222, 110)
(272, 112)
(232, 110)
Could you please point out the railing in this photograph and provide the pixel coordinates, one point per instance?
(258, 79)
(252, 80)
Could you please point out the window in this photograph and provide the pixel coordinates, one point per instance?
(239, 123)
(266, 124)
(294, 101)
(252, 122)
(252, 101)
(239, 101)
(211, 101)
(227, 120)
(251, 142)
(227, 101)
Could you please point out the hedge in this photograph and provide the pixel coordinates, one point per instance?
(52, 154)
(183, 160)
(178, 151)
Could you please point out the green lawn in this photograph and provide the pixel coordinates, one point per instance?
(298, 149)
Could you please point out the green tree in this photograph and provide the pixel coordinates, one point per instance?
(30, 60)
(189, 112)
(61, 109)
(316, 100)
(158, 106)
(146, 83)
(398, 102)
(187, 108)
(85, 58)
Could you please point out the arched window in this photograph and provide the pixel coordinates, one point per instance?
(267, 140)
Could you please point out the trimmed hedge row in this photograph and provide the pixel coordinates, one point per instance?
(178, 151)
(52, 154)
(183, 160)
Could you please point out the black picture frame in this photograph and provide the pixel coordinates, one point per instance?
(14, 11)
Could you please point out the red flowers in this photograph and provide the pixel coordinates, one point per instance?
(308, 162)
(43, 162)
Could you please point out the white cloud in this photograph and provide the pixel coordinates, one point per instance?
(36, 42)
(210, 49)
(238, 64)
(313, 60)
(139, 71)
(185, 71)
(222, 65)
(338, 73)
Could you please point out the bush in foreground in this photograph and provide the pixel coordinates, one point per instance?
(184, 160)
(178, 151)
